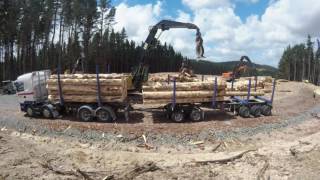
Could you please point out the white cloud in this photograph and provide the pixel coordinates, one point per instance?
(137, 19)
(198, 4)
(226, 36)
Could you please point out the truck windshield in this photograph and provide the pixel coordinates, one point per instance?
(19, 86)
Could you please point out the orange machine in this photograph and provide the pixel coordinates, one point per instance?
(241, 67)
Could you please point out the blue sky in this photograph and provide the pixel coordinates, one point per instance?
(242, 8)
(260, 29)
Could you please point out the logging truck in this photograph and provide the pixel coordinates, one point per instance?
(42, 94)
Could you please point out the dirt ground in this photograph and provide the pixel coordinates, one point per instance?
(283, 146)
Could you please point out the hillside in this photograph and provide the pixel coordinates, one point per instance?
(209, 67)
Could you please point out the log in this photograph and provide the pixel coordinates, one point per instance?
(243, 93)
(225, 159)
(85, 93)
(89, 76)
(84, 82)
(180, 94)
(71, 89)
(190, 86)
(87, 98)
(186, 100)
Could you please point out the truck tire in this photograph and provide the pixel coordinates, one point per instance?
(196, 114)
(244, 111)
(46, 112)
(30, 111)
(266, 110)
(255, 111)
(177, 115)
(85, 113)
(105, 114)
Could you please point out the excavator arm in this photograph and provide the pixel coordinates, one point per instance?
(243, 65)
(140, 74)
(168, 24)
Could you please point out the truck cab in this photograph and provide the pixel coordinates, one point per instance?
(32, 92)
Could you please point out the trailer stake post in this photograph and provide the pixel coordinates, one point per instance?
(232, 81)
(215, 92)
(273, 90)
(174, 94)
(59, 85)
(255, 83)
(249, 90)
(98, 86)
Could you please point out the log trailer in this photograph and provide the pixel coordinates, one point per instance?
(254, 106)
(33, 95)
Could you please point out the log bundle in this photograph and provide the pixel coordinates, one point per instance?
(83, 87)
(264, 83)
(186, 92)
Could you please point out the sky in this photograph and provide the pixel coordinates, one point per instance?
(260, 29)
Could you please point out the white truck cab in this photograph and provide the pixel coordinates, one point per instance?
(32, 92)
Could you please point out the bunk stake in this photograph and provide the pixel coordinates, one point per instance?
(255, 83)
(232, 82)
(98, 87)
(273, 89)
(249, 90)
(174, 94)
(59, 86)
(215, 91)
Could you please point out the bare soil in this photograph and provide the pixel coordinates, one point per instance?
(173, 151)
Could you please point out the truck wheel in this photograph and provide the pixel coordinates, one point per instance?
(85, 113)
(30, 111)
(177, 116)
(196, 114)
(46, 112)
(103, 114)
(244, 111)
(266, 110)
(255, 111)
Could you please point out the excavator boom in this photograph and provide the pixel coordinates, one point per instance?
(140, 74)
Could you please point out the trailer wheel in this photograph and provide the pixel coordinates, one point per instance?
(104, 114)
(266, 110)
(196, 114)
(46, 112)
(244, 111)
(255, 111)
(30, 111)
(177, 115)
(85, 113)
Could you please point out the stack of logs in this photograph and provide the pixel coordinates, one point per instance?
(186, 92)
(159, 88)
(83, 88)
(264, 84)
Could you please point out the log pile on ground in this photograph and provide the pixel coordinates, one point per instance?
(83, 87)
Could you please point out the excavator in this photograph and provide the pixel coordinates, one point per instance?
(242, 66)
(140, 74)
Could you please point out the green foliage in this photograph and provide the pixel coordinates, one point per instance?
(300, 63)
(41, 34)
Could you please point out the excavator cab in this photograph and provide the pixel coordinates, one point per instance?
(243, 66)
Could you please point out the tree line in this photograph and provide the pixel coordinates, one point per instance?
(40, 34)
(301, 63)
